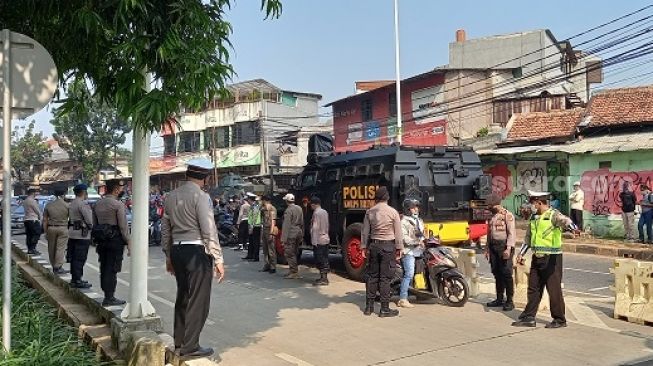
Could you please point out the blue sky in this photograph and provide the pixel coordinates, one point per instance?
(324, 46)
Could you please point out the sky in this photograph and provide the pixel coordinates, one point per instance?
(324, 46)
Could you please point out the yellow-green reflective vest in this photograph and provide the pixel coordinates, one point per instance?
(545, 237)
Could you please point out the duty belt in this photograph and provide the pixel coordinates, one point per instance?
(376, 241)
(187, 242)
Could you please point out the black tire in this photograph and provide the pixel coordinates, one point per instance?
(457, 290)
(355, 268)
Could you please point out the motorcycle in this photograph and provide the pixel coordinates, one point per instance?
(442, 278)
(227, 231)
(154, 231)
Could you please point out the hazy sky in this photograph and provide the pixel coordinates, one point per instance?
(324, 46)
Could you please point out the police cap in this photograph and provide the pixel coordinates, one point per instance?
(199, 168)
(80, 188)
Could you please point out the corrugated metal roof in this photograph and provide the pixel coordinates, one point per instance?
(607, 144)
(597, 145)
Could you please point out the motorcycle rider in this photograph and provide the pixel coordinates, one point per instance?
(412, 228)
(500, 250)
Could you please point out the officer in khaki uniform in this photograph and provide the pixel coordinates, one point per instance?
(268, 234)
(81, 220)
(194, 256)
(292, 235)
(110, 216)
(544, 238)
(383, 244)
(499, 251)
(55, 225)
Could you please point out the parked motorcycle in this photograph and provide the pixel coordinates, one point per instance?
(227, 231)
(442, 279)
(155, 232)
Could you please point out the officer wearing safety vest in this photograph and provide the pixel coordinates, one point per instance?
(544, 238)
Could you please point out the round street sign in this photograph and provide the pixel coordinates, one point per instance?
(33, 73)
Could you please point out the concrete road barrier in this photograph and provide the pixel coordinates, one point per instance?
(633, 287)
(468, 265)
(521, 274)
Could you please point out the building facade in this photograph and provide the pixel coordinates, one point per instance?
(241, 134)
(486, 82)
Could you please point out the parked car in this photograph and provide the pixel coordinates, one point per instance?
(17, 219)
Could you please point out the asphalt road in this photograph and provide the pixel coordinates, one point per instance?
(260, 319)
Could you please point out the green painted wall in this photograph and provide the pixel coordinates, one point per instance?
(602, 185)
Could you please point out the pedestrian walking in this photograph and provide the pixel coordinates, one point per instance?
(646, 217)
(32, 222)
(79, 235)
(577, 199)
(193, 256)
(382, 245)
(292, 235)
(254, 222)
(412, 228)
(269, 232)
(320, 239)
(55, 225)
(544, 238)
(628, 204)
(499, 251)
(242, 223)
(111, 234)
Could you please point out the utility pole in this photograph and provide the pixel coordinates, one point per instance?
(398, 74)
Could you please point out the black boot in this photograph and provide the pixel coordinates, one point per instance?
(495, 304)
(322, 281)
(509, 305)
(386, 312)
(369, 307)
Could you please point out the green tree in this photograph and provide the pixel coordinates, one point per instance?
(184, 44)
(27, 150)
(90, 135)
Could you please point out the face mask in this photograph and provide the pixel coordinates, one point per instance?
(416, 215)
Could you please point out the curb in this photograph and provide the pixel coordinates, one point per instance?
(644, 254)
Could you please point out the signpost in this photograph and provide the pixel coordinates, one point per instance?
(29, 79)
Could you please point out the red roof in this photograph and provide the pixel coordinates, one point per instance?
(626, 106)
(544, 125)
(373, 84)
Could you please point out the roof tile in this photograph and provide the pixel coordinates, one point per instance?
(544, 125)
(623, 107)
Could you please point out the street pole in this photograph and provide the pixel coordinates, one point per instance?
(6, 190)
(398, 74)
(139, 306)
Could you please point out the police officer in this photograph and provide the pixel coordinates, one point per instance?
(79, 233)
(500, 250)
(110, 218)
(193, 256)
(55, 225)
(292, 235)
(382, 244)
(268, 234)
(544, 238)
(33, 218)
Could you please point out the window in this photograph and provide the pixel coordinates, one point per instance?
(308, 180)
(246, 133)
(366, 109)
(332, 175)
(169, 145)
(538, 104)
(517, 72)
(392, 104)
(217, 137)
(605, 164)
(189, 141)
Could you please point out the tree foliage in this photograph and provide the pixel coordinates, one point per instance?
(27, 149)
(184, 44)
(90, 135)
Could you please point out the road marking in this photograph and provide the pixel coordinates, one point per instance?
(588, 294)
(585, 315)
(587, 271)
(149, 294)
(598, 288)
(293, 360)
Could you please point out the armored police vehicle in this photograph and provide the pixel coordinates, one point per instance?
(448, 181)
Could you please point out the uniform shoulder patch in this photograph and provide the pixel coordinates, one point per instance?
(510, 216)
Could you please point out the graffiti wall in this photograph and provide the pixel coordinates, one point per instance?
(602, 188)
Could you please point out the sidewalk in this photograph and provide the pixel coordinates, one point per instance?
(598, 246)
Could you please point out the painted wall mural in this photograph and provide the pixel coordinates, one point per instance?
(602, 188)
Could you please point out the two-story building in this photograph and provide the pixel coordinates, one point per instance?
(241, 134)
(486, 81)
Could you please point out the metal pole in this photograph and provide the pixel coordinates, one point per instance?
(6, 189)
(398, 77)
(139, 306)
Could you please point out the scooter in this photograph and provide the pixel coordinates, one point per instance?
(227, 231)
(442, 278)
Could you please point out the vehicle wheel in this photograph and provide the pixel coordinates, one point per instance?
(454, 291)
(352, 255)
